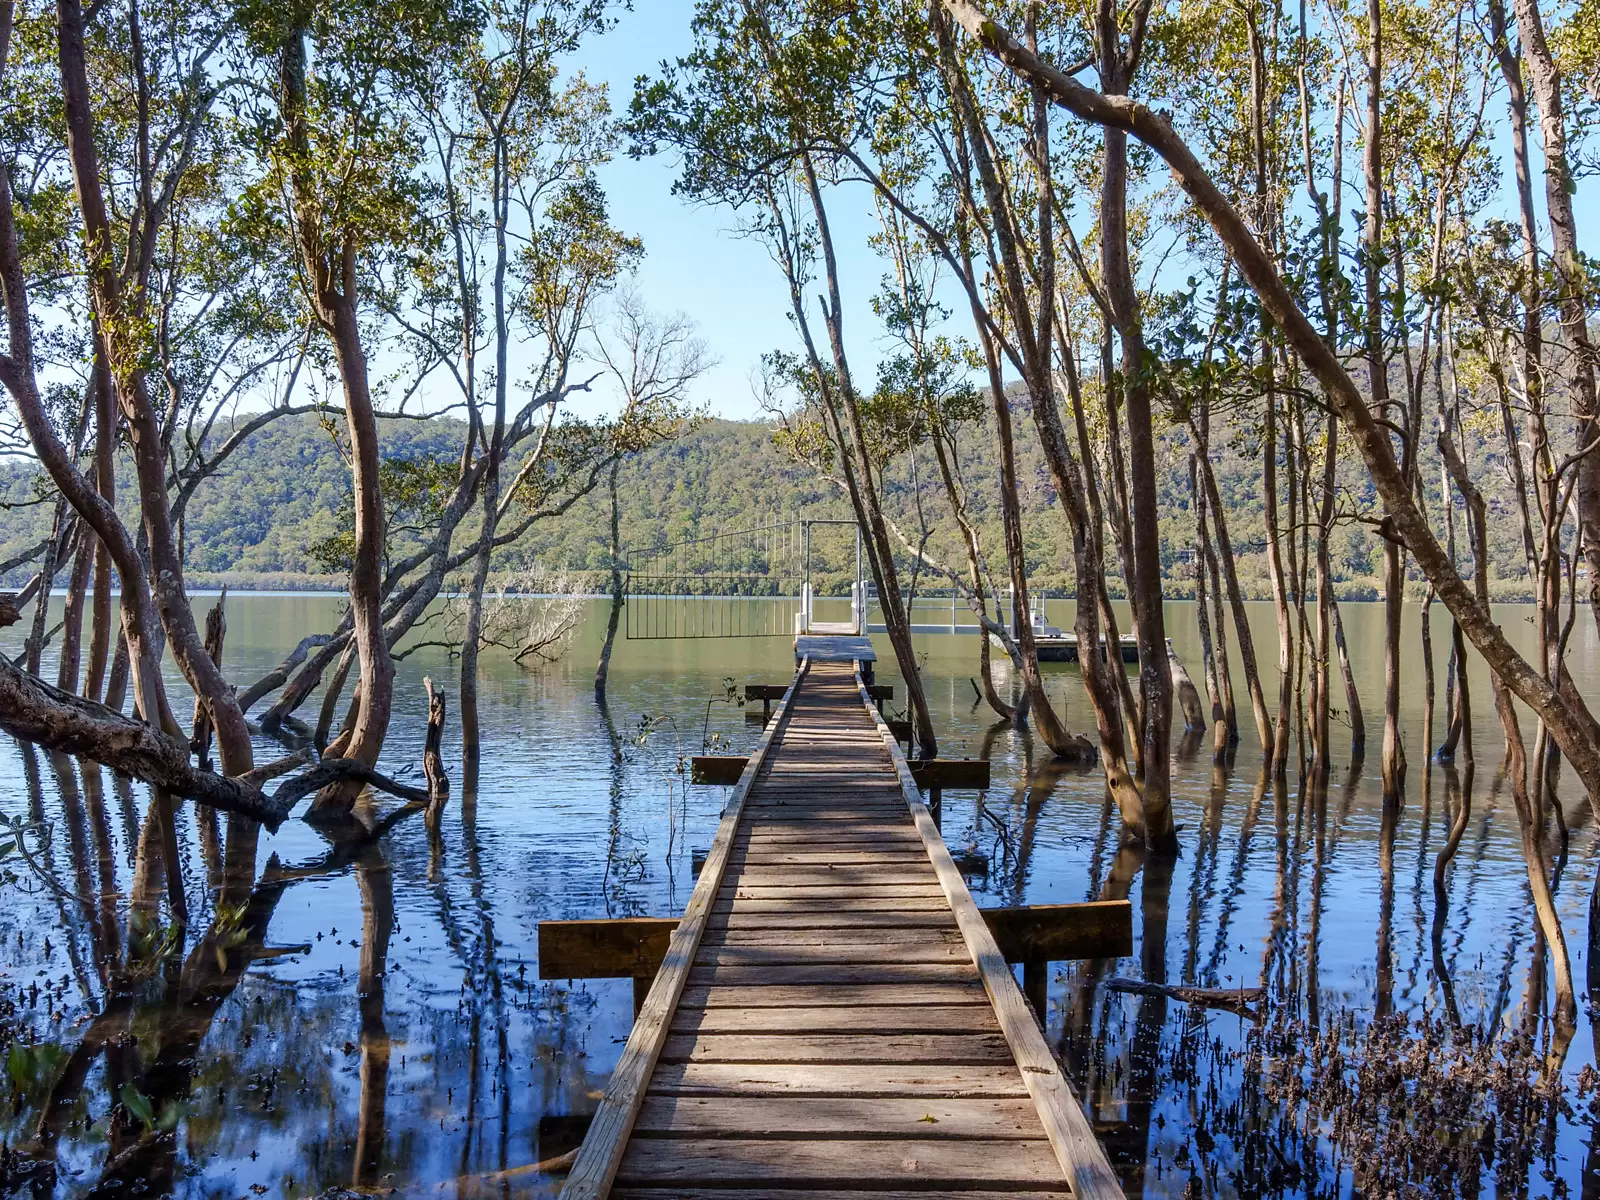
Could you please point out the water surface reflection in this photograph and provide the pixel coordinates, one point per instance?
(358, 1007)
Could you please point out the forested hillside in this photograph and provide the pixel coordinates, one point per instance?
(260, 520)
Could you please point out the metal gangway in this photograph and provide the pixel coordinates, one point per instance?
(758, 582)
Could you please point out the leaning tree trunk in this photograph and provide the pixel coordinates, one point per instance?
(72, 616)
(861, 484)
(472, 635)
(1280, 599)
(105, 476)
(1378, 388)
(1213, 573)
(1208, 658)
(216, 631)
(944, 455)
(1155, 677)
(375, 689)
(1322, 673)
(49, 565)
(613, 617)
(329, 260)
(1458, 826)
(1572, 298)
(119, 312)
(1241, 620)
(1394, 751)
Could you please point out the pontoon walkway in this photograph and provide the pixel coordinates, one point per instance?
(833, 1016)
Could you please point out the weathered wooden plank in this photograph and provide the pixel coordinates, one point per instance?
(836, 1079)
(832, 934)
(834, 920)
(835, 891)
(831, 857)
(889, 873)
(850, 900)
(791, 1162)
(857, 769)
(865, 865)
(1080, 1155)
(881, 1018)
(798, 807)
(833, 951)
(731, 976)
(596, 1165)
(797, 795)
(779, 1117)
(776, 831)
(806, 1046)
(841, 817)
(771, 1193)
(825, 995)
(864, 805)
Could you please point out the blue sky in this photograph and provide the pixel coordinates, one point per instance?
(698, 265)
(695, 261)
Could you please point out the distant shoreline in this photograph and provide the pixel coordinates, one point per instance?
(340, 594)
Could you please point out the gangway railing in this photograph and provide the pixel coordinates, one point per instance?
(756, 582)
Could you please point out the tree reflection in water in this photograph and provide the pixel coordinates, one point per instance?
(1197, 1102)
(357, 1006)
(181, 1058)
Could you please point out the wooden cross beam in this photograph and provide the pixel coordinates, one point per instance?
(1034, 935)
(768, 692)
(933, 774)
(717, 768)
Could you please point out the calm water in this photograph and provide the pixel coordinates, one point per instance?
(369, 1015)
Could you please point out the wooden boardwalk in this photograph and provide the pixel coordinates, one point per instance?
(833, 1016)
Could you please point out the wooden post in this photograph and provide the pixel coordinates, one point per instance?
(216, 631)
(1036, 987)
(766, 693)
(432, 760)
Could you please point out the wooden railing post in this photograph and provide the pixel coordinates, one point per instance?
(1036, 986)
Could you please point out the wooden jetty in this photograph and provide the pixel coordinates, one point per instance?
(832, 1015)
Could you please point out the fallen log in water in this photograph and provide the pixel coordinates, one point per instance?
(39, 712)
(1234, 999)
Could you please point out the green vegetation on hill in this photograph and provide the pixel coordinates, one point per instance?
(260, 518)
